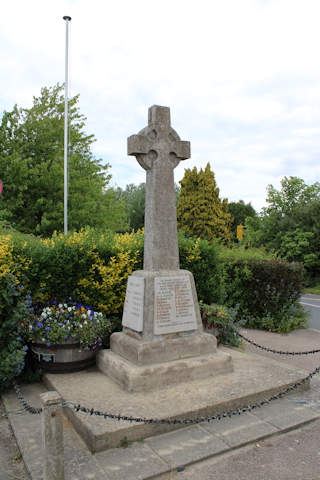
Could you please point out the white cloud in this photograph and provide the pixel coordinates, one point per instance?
(242, 80)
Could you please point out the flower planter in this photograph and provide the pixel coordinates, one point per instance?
(62, 358)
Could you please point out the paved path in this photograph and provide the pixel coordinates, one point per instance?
(238, 448)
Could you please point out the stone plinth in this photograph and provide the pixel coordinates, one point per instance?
(142, 361)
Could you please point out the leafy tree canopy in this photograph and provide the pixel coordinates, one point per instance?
(239, 212)
(31, 166)
(293, 192)
(134, 198)
(200, 211)
(290, 225)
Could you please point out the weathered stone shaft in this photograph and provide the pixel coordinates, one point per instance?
(159, 150)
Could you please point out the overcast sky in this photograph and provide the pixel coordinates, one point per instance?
(241, 77)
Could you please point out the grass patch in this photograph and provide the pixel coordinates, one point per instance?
(314, 288)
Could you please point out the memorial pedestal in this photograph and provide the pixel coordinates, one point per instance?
(162, 342)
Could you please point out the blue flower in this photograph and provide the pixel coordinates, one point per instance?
(40, 325)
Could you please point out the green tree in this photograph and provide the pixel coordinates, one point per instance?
(290, 225)
(200, 211)
(239, 212)
(31, 165)
(293, 192)
(134, 197)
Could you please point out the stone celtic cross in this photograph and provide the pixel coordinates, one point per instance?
(158, 149)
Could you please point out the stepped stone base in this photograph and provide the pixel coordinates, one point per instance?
(138, 378)
(146, 352)
(253, 379)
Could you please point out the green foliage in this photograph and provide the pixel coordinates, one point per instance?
(93, 268)
(295, 246)
(242, 253)
(290, 225)
(200, 211)
(222, 321)
(134, 198)
(13, 309)
(265, 293)
(293, 192)
(239, 212)
(314, 287)
(31, 166)
(201, 258)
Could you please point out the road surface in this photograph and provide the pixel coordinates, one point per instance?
(312, 303)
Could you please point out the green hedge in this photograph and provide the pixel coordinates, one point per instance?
(264, 292)
(93, 268)
(13, 308)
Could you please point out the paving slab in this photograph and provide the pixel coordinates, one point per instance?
(240, 430)
(285, 414)
(135, 462)
(254, 378)
(186, 446)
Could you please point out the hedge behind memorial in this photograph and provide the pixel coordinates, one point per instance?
(93, 268)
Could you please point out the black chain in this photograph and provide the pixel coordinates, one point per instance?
(278, 352)
(186, 421)
(24, 402)
(191, 421)
(175, 421)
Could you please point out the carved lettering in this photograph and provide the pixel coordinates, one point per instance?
(174, 307)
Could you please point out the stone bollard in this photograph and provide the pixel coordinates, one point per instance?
(52, 436)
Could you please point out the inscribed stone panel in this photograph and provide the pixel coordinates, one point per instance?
(174, 307)
(133, 306)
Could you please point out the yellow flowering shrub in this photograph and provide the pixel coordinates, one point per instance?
(105, 283)
(11, 263)
(6, 258)
(93, 267)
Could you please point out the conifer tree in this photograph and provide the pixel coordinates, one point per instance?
(200, 211)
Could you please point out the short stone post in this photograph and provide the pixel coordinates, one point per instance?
(52, 436)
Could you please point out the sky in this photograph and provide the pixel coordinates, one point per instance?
(241, 78)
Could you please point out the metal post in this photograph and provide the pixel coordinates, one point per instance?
(66, 95)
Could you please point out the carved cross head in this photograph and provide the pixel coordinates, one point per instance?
(158, 141)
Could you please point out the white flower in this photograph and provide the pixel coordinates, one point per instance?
(69, 309)
(84, 315)
(85, 322)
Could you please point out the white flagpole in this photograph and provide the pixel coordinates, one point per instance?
(66, 95)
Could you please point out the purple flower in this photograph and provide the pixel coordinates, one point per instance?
(40, 325)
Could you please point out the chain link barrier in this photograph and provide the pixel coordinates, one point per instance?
(24, 402)
(278, 352)
(185, 421)
(175, 421)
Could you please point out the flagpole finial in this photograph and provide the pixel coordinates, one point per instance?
(66, 17)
